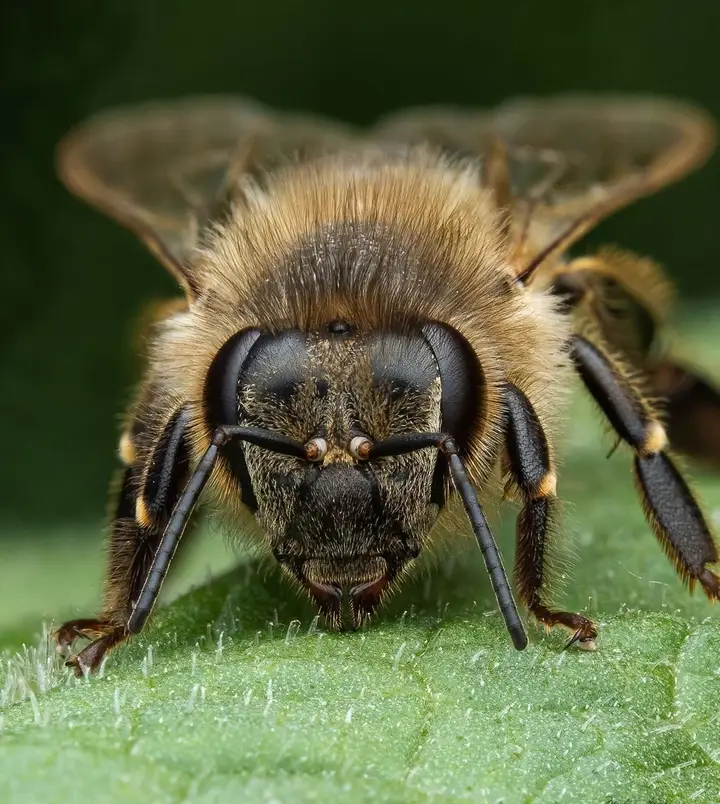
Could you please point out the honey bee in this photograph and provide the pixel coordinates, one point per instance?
(380, 327)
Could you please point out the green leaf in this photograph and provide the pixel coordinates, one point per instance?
(236, 693)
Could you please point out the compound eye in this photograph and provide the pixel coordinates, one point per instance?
(359, 448)
(316, 449)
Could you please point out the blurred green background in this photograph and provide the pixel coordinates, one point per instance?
(73, 281)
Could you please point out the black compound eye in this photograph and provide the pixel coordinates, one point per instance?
(221, 401)
(460, 379)
(461, 383)
(277, 364)
(221, 386)
(402, 362)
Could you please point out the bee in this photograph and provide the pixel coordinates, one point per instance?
(380, 327)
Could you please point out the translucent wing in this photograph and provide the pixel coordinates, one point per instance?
(570, 160)
(164, 169)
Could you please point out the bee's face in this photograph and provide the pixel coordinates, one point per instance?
(340, 525)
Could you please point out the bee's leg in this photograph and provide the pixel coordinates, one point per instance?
(669, 505)
(532, 473)
(621, 297)
(691, 409)
(624, 299)
(148, 492)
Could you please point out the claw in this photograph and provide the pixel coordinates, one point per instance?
(77, 629)
(573, 639)
(104, 635)
(583, 640)
(91, 657)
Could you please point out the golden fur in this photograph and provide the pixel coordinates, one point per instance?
(425, 210)
(320, 224)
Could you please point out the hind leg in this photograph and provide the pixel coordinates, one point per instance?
(623, 300)
(669, 505)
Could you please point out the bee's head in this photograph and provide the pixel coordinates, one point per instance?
(339, 523)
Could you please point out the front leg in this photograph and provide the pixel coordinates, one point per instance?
(148, 490)
(532, 473)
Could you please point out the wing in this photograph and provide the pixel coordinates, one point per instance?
(164, 169)
(569, 161)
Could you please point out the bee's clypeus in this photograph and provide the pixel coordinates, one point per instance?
(379, 323)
